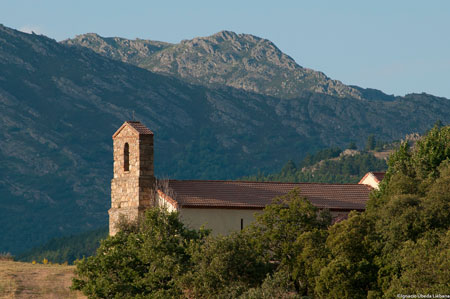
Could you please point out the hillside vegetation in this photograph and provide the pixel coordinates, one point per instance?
(333, 165)
(66, 249)
(60, 104)
(326, 166)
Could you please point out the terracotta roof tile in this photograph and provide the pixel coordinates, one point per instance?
(379, 175)
(256, 195)
(138, 126)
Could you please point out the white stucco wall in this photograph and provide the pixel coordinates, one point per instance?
(371, 181)
(162, 203)
(225, 221)
(220, 221)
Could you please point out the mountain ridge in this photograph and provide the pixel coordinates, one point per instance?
(241, 61)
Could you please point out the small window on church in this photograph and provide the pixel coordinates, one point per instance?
(126, 157)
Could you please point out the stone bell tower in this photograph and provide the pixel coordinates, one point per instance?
(131, 187)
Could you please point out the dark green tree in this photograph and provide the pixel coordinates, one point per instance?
(371, 143)
(352, 145)
(312, 256)
(412, 212)
(399, 245)
(424, 266)
(226, 266)
(283, 221)
(350, 272)
(288, 171)
(286, 232)
(277, 285)
(250, 262)
(438, 124)
(141, 260)
(430, 152)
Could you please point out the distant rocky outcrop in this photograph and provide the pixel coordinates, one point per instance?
(131, 51)
(241, 61)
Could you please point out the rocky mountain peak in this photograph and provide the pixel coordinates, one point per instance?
(225, 35)
(126, 50)
(89, 35)
(241, 61)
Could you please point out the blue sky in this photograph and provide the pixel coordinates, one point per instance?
(396, 46)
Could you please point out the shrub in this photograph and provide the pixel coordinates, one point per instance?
(145, 259)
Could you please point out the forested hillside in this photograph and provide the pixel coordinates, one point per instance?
(326, 166)
(66, 249)
(59, 106)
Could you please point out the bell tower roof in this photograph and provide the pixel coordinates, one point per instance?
(137, 126)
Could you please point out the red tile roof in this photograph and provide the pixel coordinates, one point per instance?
(136, 125)
(256, 195)
(379, 175)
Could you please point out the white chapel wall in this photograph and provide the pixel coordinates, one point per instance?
(162, 203)
(371, 181)
(220, 221)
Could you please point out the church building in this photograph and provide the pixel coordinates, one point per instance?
(222, 206)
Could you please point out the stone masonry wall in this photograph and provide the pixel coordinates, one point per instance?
(131, 191)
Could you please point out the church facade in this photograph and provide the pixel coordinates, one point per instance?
(222, 206)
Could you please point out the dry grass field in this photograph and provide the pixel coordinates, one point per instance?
(25, 280)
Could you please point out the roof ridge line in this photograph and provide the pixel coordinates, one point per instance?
(272, 182)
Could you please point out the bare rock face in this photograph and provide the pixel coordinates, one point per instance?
(131, 51)
(238, 60)
(349, 152)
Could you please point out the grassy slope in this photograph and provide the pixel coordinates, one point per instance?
(25, 280)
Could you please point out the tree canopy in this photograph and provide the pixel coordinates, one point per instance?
(141, 260)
